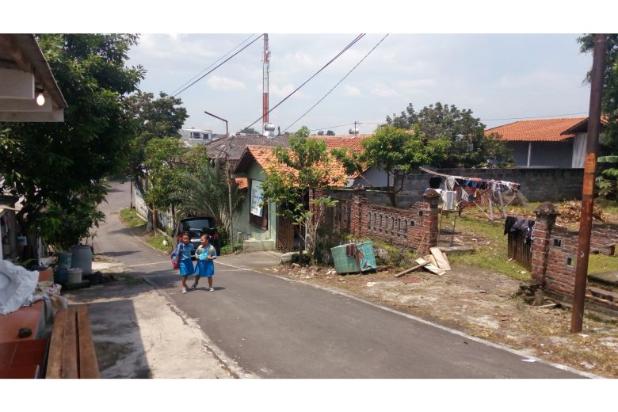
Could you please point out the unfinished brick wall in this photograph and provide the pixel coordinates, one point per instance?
(415, 227)
(554, 254)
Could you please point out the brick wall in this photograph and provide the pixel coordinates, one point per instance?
(554, 254)
(415, 227)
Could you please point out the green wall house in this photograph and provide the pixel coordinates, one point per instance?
(255, 222)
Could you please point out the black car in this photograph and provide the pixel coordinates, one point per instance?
(196, 226)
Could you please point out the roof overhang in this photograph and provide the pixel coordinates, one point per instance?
(24, 73)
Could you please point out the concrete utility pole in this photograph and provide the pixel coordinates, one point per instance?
(590, 165)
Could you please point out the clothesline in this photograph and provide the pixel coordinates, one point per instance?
(471, 181)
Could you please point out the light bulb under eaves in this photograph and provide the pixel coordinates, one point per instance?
(40, 99)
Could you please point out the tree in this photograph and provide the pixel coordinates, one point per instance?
(468, 145)
(607, 182)
(153, 118)
(330, 133)
(301, 172)
(206, 190)
(249, 130)
(398, 151)
(164, 170)
(59, 168)
(321, 133)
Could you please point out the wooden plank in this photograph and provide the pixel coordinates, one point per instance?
(54, 360)
(440, 258)
(69, 343)
(421, 261)
(435, 270)
(412, 269)
(88, 365)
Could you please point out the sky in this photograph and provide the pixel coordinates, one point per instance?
(499, 77)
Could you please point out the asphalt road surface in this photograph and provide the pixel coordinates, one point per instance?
(275, 328)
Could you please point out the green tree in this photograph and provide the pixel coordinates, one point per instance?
(330, 133)
(302, 170)
(607, 182)
(468, 145)
(207, 191)
(60, 167)
(249, 130)
(399, 151)
(163, 159)
(158, 117)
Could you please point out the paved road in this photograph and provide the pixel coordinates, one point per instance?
(282, 329)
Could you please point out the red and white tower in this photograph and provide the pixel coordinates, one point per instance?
(265, 84)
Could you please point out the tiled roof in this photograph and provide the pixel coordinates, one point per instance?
(265, 157)
(354, 143)
(543, 130)
(234, 146)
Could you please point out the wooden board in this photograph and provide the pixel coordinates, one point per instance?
(412, 269)
(421, 261)
(435, 270)
(69, 347)
(54, 360)
(441, 258)
(88, 365)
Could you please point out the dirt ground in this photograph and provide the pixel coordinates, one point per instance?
(486, 305)
(139, 334)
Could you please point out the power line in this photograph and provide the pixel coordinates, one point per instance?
(342, 125)
(217, 66)
(212, 64)
(352, 43)
(338, 83)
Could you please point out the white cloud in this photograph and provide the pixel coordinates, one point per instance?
(283, 89)
(225, 83)
(351, 91)
(383, 90)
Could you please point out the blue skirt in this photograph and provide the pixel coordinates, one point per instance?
(205, 268)
(186, 267)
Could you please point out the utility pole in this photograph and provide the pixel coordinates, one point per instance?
(265, 84)
(590, 165)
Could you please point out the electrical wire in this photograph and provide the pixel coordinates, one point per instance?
(342, 125)
(217, 66)
(338, 83)
(346, 48)
(212, 64)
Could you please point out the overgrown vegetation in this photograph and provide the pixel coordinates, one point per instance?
(131, 219)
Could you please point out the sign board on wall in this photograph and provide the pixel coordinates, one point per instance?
(257, 197)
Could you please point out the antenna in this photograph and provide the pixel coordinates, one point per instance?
(265, 84)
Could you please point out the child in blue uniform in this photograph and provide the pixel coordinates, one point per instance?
(205, 266)
(183, 255)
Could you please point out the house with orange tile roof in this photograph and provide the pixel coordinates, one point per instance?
(256, 223)
(553, 143)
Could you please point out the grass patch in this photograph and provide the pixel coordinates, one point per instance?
(131, 219)
(492, 250)
(602, 263)
(160, 242)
